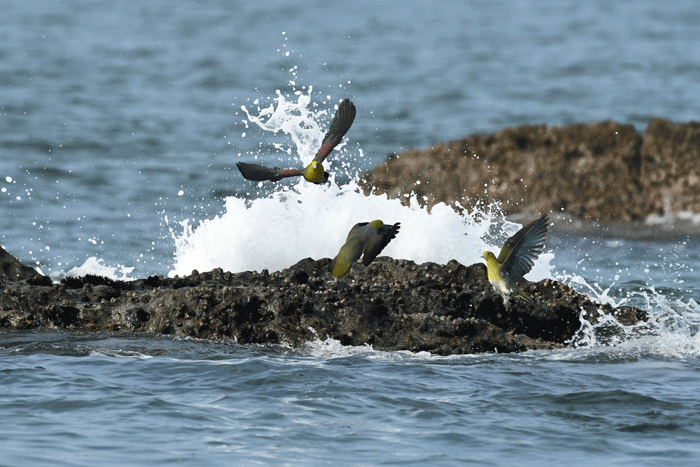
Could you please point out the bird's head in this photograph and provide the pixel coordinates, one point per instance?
(492, 266)
(377, 224)
(488, 256)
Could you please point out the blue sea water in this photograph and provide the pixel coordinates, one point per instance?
(120, 126)
(81, 399)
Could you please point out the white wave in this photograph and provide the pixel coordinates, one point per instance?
(671, 329)
(96, 267)
(330, 348)
(670, 218)
(118, 353)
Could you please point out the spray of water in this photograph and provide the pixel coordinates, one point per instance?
(305, 220)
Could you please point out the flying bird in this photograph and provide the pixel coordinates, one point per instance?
(365, 238)
(516, 259)
(314, 173)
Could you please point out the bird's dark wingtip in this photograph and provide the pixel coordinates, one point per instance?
(342, 121)
(258, 173)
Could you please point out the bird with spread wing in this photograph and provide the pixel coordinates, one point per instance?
(314, 173)
(517, 257)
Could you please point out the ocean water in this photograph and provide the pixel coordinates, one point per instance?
(120, 126)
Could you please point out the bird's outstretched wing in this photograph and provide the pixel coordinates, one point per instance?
(376, 245)
(259, 173)
(342, 121)
(520, 251)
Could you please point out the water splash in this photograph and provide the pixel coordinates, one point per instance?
(275, 231)
(296, 120)
(670, 331)
(96, 267)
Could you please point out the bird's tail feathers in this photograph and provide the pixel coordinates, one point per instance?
(339, 267)
(524, 297)
(395, 229)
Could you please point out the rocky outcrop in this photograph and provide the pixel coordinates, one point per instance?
(670, 169)
(601, 171)
(12, 270)
(391, 305)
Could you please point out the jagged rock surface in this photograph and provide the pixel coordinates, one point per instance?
(12, 270)
(391, 305)
(601, 171)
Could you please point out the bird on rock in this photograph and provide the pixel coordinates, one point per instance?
(516, 259)
(365, 238)
(314, 173)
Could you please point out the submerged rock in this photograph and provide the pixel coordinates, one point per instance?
(390, 305)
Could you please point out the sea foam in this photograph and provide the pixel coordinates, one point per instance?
(303, 220)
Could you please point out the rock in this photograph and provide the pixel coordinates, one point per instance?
(670, 170)
(601, 171)
(12, 270)
(390, 305)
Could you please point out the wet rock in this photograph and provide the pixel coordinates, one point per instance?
(601, 171)
(391, 305)
(12, 270)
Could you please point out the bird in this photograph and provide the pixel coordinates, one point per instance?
(365, 238)
(314, 172)
(516, 259)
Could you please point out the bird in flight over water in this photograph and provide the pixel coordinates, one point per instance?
(314, 173)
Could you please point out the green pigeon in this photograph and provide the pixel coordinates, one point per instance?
(516, 259)
(365, 238)
(314, 173)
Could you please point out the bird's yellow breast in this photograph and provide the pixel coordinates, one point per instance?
(314, 172)
(493, 267)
